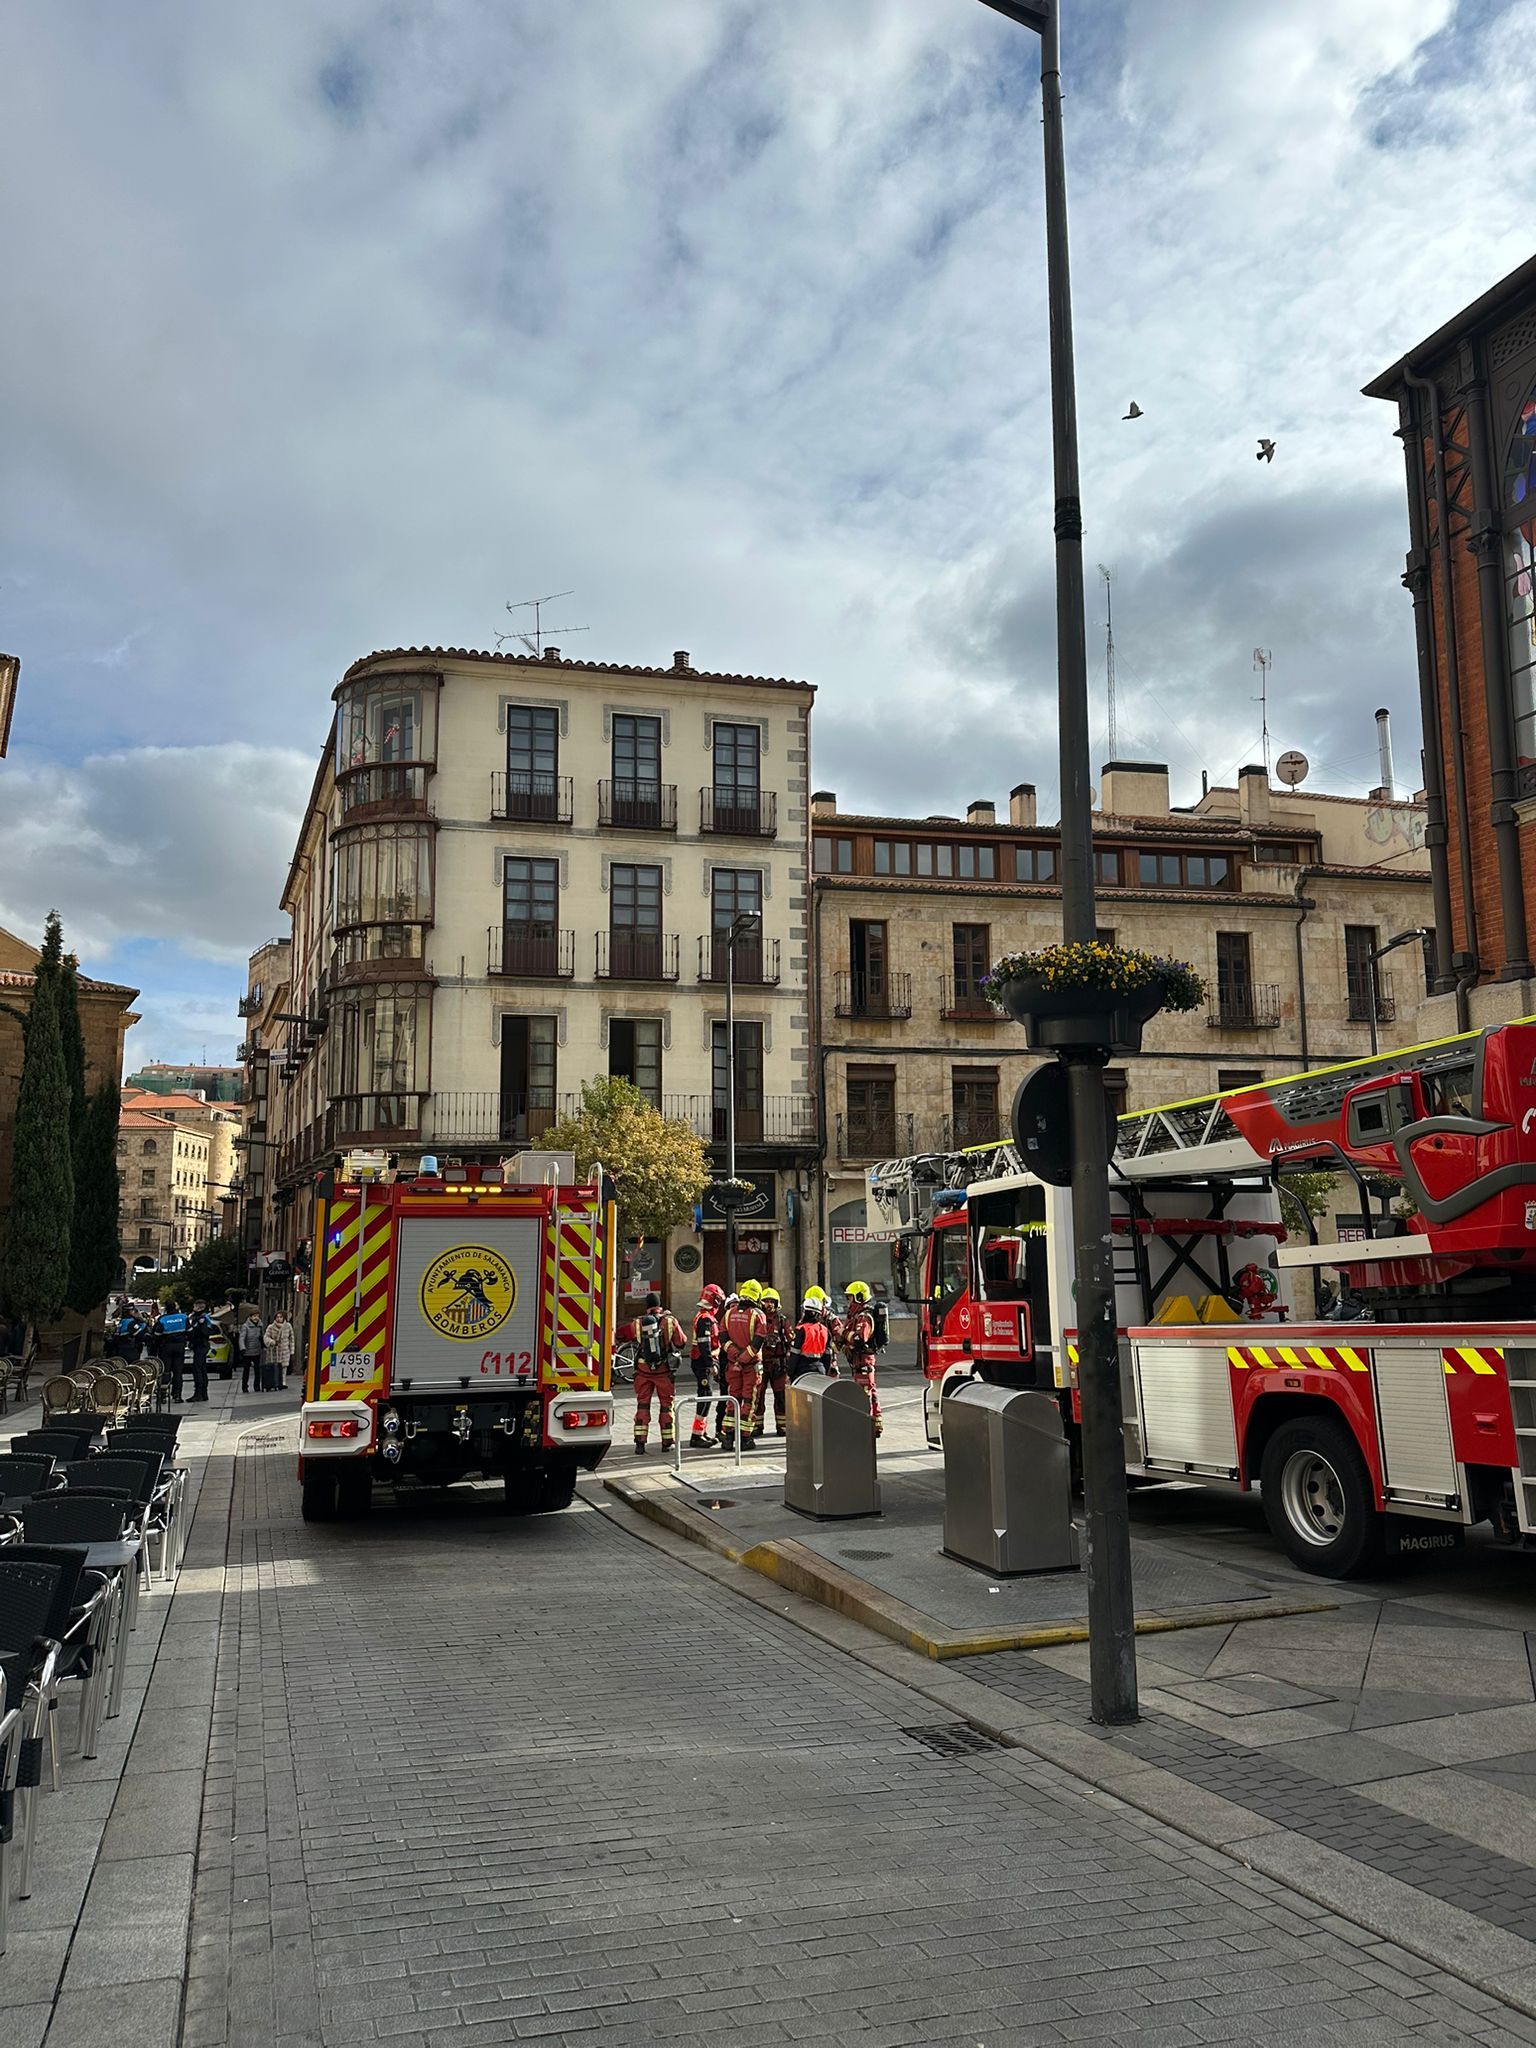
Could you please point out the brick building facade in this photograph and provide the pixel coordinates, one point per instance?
(1466, 400)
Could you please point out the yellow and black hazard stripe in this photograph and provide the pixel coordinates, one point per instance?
(1297, 1358)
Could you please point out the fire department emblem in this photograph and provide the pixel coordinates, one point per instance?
(468, 1292)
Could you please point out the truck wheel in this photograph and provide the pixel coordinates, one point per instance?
(1317, 1498)
(319, 1493)
(354, 1493)
(555, 1488)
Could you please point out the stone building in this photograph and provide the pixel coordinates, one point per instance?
(220, 1122)
(213, 1084)
(1466, 405)
(162, 1169)
(518, 873)
(106, 1015)
(1278, 897)
(266, 993)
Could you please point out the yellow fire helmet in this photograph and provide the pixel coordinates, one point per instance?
(816, 1295)
(750, 1290)
(771, 1294)
(857, 1290)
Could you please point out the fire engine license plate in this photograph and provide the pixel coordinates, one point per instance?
(351, 1365)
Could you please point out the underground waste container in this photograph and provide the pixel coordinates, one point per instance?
(829, 1450)
(1007, 1482)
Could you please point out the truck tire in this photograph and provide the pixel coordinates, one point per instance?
(554, 1488)
(354, 1493)
(319, 1493)
(1318, 1500)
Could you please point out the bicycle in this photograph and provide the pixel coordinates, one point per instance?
(624, 1365)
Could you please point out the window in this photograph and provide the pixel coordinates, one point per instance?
(1520, 575)
(634, 920)
(383, 730)
(148, 1147)
(834, 856)
(1280, 855)
(749, 1080)
(736, 892)
(1104, 935)
(737, 750)
(949, 1266)
(1034, 863)
(893, 857)
(634, 1054)
(530, 917)
(1182, 871)
(145, 1236)
(377, 1053)
(533, 761)
(1234, 978)
(146, 1208)
(636, 758)
(971, 952)
(1108, 864)
(382, 875)
(973, 1102)
(146, 1177)
(871, 1112)
(869, 986)
(1451, 1092)
(1359, 943)
(1228, 1078)
(527, 1107)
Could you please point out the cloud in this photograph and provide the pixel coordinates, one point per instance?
(334, 327)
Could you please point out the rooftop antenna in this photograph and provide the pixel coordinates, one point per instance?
(1264, 661)
(534, 641)
(1109, 653)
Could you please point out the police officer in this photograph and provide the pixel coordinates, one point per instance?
(171, 1346)
(200, 1335)
(744, 1330)
(857, 1339)
(705, 1358)
(128, 1331)
(776, 1341)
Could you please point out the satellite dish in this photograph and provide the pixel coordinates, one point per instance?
(1292, 768)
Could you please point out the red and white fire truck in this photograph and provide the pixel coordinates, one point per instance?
(1389, 1410)
(461, 1326)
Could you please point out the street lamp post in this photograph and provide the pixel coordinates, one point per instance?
(1111, 1608)
(1376, 953)
(747, 922)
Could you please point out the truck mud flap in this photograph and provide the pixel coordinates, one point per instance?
(1408, 1536)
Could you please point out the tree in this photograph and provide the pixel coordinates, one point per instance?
(656, 1163)
(215, 1273)
(34, 1270)
(95, 1252)
(72, 1038)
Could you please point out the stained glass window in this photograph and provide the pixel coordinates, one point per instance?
(1520, 576)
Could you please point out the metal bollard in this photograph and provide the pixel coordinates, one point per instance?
(705, 1400)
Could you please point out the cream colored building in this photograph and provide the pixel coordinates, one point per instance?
(163, 1208)
(515, 875)
(220, 1122)
(1277, 897)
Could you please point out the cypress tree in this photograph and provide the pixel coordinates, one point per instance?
(72, 1039)
(95, 1251)
(34, 1266)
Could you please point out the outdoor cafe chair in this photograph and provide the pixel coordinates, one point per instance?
(141, 1478)
(22, 1475)
(12, 1747)
(60, 1395)
(94, 1527)
(61, 1440)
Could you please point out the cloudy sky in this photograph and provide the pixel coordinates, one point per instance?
(335, 324)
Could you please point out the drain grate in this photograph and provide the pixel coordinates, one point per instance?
(865, 1556)
(954, 1738)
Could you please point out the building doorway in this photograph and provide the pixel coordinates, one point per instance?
(754, 1255)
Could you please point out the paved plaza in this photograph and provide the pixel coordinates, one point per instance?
(454, 1776)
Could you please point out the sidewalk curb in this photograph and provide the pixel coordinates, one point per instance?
(799, 1569)
(1473, 1951)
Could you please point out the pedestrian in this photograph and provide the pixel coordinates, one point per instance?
(171, 1345)
(277, 1345)
(811, 1340)
(658, 1339)
(857, 1338)
(776, 1342)
(199, 1337)
(704, 1355)
(249, 1341)
(744, 1330)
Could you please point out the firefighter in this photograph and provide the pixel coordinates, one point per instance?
(811, 1340)
(658, 1339)
(776, 1341)
(705, 1359)
(857, 1339)
(745, 1327)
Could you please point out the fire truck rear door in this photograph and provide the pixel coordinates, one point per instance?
(467, 1291)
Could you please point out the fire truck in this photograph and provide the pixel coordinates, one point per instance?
(460, 1327)
(1378, 1385)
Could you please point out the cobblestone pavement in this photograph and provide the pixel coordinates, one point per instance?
(475, 1779)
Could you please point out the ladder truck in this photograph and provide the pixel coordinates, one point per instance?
(461, 1326)
(1385, 1413)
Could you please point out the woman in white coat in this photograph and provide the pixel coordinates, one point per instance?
(277, 1348)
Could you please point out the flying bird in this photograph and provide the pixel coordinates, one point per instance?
(1134, 413)
(1266, 451)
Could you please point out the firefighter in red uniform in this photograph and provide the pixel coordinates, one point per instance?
(706, 1357)
(658, 1339)
(745, 1328)
(857, 1339)
(776, 1343)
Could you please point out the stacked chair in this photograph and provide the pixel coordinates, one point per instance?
(92, 1508)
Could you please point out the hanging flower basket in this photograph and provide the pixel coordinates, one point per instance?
(727, 1195)
(1091, 996)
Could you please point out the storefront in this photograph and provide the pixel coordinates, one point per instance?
(871, 1251)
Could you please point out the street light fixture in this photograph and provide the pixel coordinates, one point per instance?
(1111, 1608)
(1420, 932)
(746, 925)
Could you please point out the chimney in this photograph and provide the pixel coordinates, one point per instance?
(1021, 804)
(1253, 794)
(1384, 754)
(1134, 789)
(680, 663)
(551, 654)
(823, 803)
(981, 813)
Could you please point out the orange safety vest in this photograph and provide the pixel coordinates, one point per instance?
(812, 1338)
